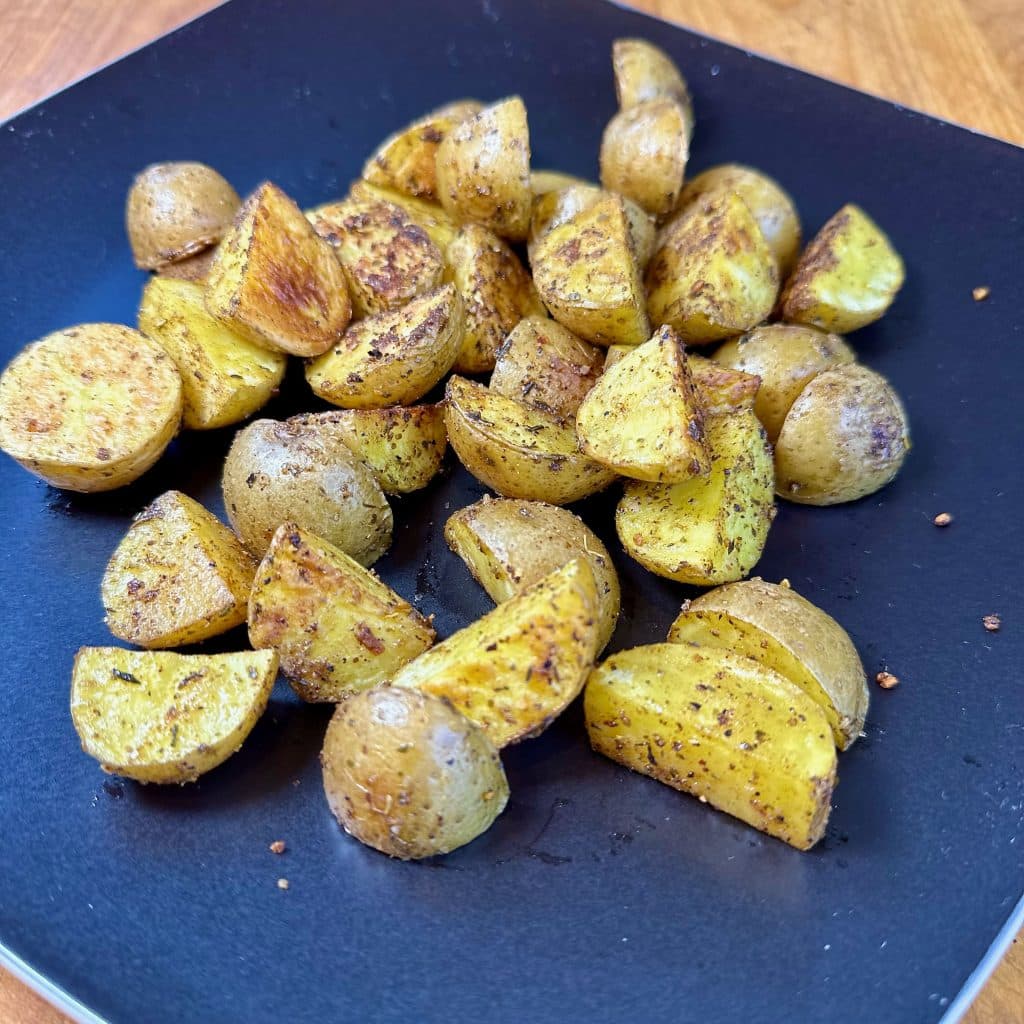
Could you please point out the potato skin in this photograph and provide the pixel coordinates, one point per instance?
(785, 357)
(178, 576)
(508, 545)
(518, 450)
(282, 472)
(551, 181)
(90, 408)
(720, 727)
(191, 268)
(777, 627)
(175, 210)
(406, 774)
(405, 161)
(845, 437)
(157, 716)
(644, 72)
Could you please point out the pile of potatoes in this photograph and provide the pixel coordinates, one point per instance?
(669, 334)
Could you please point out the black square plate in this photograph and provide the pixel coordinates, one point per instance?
(599, 894)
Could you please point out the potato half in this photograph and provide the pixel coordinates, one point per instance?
(721, 727)
(405, 161)
(335, 626)
(178, 576)
(156, 716)
(514, 671)
(518, 450)
(777, 627)
(393, 358)
(710, 529)
(90, 408)
(508, 545)
(406, 774)
(275, 281)
(645, 72)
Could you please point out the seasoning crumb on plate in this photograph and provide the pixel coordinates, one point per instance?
(992, 623)
(981, 293)
(282, 883)
(943, 519)
(886, 680)
(278, 846)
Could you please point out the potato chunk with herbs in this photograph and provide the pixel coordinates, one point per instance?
(406, 160)
(645, 72)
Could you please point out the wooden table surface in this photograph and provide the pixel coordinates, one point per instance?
(960, 59)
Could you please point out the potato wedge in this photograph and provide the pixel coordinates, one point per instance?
(225, 378)
(393, 358)
(90, 408)
(721, 390)
(644, 151)
(405, 161)
(156, 716)
(551, 181)
(518, 450)
(777, 627)
(276, 473)
(846, 278)
(645, 72)
(845, 436)
(785, 357)
(408, 775)
(483, 169)
(497, 292)
(770, 204)
(587, 274)
(713, 275)
(508, 545)
(710, 529)
(275, 282)
(721, 727)
(514, 671)
(543, 364)
(404, 446)
(643, 417)
(440, 228)
(335, 626)
(177, 577)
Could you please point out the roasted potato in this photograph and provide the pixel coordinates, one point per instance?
(777, 627)
(517, 449)
(156, 716)
(587, 274)
(543, 364)
(846, 436)
(644, 151)
(710, 529)
(90, 408)
(721, 390)
(508, 545)
(483, 169)
(225, 378)
(404, 446)
(275, 281)
(644, 72)
(191, 268)
(846, 278)
(515, 670)
(335, 626)
(295, 472)
(176, 210)
(785, 357)
(177, 577)
(714, 275)
(721, 727)
(770, 204)
(405, 161)
(405, 773)
(551, 181)
(496, 290)
(440, 228)
(615, 353)
(393, 358)
(388, 258)
(458, 110)
(643, 417)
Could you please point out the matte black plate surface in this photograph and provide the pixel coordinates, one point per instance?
(599, 895)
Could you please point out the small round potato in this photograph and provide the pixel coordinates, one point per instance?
(846, 436)
(645, 72)
(175, 210)
(405, 773)
(294, 472)
(785, 357)
(90, 408)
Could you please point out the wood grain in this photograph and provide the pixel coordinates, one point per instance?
(959, 59)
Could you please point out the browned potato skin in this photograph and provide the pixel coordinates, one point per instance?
(644, 152)
(544, 364)
(281, 472)
(785, 357)
(645, 72)
(191, 268)
(405, 773)
(176, 210)
(406, 160)
(845, 437)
